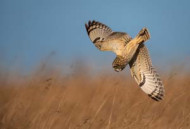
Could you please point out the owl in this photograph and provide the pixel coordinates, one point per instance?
(130, 51)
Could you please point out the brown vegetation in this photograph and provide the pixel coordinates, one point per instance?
(84, 101)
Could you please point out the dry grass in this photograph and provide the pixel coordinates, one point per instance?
(81, 101)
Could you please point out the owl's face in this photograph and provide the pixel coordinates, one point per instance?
(118, 67)
(119, 63)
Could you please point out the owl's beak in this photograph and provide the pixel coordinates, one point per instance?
(117, 68)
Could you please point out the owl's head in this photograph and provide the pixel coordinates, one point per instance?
(119, 68)
(119, 63)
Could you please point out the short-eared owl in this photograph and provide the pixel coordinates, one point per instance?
(129, 51)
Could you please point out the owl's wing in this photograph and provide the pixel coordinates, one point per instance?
(145, 75)
(97, 31)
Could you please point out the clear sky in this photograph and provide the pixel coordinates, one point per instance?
(31, 29)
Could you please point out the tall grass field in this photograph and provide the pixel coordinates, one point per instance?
(52, 100)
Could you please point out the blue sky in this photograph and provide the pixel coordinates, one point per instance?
(32, 29)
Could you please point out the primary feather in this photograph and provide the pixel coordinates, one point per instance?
(145, 75)
(97, 31)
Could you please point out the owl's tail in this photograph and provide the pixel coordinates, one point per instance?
(143, 35)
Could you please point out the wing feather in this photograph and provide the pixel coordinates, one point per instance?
(145, 75)
(97, 31)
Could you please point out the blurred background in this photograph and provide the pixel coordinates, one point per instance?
(33, 31)
(53, 77)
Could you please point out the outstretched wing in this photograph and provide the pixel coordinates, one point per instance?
(97, 31)
(105, 39)
(145, 75)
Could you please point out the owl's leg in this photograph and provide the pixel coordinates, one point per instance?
(133, 45)
(142, 36)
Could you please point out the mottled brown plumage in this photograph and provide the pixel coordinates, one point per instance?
(129, 51)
